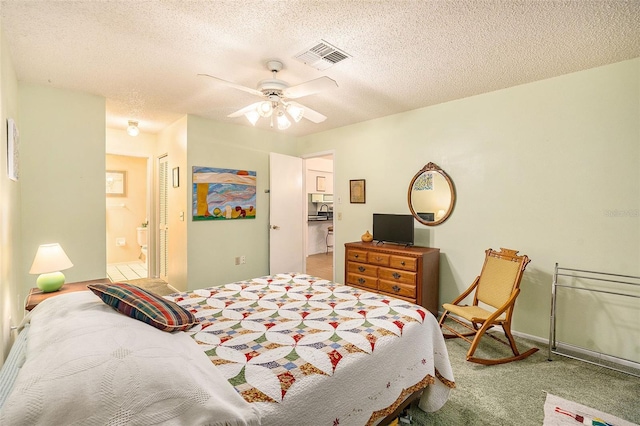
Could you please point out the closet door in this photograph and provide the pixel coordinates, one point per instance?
(163, 217)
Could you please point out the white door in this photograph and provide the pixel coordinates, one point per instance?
(286, 216)
(163, 217)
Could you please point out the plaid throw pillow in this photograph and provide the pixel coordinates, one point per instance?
(145, 306)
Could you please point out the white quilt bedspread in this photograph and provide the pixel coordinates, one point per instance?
(310, 352)
(89, 365)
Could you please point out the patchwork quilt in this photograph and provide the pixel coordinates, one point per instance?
(308, 351)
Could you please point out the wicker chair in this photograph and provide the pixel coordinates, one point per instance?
(494, 296)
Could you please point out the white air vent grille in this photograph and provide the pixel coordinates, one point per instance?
(322, 55)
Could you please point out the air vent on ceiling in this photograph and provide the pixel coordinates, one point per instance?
(322, 55)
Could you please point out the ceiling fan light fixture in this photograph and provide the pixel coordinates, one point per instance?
(295, 112)
(283, 121)
(132, 128)
(252, 116)
(265, 109)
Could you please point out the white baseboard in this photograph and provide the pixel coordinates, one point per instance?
(583, 351)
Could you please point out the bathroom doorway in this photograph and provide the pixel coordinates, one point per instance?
(127, 217)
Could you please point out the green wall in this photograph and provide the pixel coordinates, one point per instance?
(10, 244)
(213, 246)
(62, 166)
(541, 168)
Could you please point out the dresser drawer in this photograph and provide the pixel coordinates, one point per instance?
(357, 256)
(397, 289)
(362, 281)
(362, 269)
(410, 273)
(406, 263)
(380, 259)
(397, 276)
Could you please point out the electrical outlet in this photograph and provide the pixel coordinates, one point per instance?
(339, 215)
(237, 260)
(243, 259)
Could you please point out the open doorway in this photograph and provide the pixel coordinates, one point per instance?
(127, 217)
(320, 231)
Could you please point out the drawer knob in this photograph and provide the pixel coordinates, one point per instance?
(356, 256)
(361, 268)
(379, 259)
(402, 263)
(396, 275)
(360, 280)
(395, 288)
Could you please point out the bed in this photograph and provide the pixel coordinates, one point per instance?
(287, 349)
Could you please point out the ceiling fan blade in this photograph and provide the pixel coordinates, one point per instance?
(234, 85)
(244, 110)
(310, 114)
(309, 88)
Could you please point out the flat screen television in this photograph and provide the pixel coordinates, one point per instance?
(393, 228)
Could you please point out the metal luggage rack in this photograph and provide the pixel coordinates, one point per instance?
(633, 291)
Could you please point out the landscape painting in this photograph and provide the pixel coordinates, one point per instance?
(223, 194)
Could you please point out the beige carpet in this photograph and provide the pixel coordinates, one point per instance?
(514, 393)
(154, 285)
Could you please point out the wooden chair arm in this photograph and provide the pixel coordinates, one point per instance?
(467, 291)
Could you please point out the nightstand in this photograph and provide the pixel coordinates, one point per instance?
(36, 295)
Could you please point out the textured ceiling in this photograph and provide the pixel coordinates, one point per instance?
(144, 56)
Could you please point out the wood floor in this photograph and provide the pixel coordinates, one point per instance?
(321, 265)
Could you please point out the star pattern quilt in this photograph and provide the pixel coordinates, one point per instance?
(308, 351)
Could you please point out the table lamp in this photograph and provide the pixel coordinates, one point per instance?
(49, 261)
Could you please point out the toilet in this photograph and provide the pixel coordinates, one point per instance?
(142, 241)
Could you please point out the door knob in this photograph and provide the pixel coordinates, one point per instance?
(276, 227)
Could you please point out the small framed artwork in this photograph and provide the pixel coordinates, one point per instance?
(13, 145)
(357, 193)
(320, 183)
(116, 183)
(176, 177)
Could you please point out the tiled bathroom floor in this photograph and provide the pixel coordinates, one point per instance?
(126, 271)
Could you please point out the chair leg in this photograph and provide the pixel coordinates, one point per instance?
(512, 343)
(480, 332)
(476, 341)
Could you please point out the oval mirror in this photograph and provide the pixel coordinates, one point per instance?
(431, 195)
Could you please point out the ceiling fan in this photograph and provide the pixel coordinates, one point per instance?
(276, 95)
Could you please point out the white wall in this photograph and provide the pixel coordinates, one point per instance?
(537, 168)
(11, 309)
(62, 169)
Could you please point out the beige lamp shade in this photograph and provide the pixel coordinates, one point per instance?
(50, 258)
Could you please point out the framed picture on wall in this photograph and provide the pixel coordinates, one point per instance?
(13, 144)
(357, 193)
(116, 183)
(320, 183)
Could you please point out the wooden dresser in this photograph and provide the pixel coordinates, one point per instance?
(409, 273)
